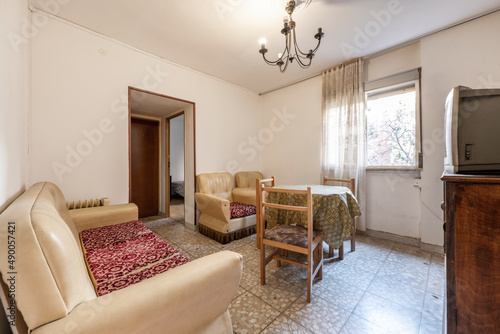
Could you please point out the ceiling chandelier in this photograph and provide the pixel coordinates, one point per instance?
(292, 51)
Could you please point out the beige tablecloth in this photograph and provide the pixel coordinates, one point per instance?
(333, 211)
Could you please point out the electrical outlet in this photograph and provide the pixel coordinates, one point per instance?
(416, 183)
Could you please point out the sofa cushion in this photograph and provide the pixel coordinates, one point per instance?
(241, 210)
(124, 254)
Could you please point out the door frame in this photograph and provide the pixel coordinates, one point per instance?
(189, 176)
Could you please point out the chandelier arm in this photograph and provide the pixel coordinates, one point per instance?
(302, 64)
(317, 46)
(272, 63)
(298, 51)
(285, 54)
(288, 44)
(300, 55)
(302, 58)
(282, 70)
(276, 62)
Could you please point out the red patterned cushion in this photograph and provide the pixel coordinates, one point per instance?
(105, 236)
(241, 210)
(123, 254)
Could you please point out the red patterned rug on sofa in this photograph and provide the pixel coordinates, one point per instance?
(124, 254)
(239, 210)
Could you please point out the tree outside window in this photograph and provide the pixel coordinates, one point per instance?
(391, 129)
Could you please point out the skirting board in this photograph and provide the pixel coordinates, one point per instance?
(404, 240)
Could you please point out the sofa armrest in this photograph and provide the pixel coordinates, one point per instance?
(103, 215)
(181, 300)
(213, 206)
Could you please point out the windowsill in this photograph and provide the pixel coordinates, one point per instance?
(394, 169)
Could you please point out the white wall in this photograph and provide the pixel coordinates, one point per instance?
(14, 107)
(79, 84)
(464, 55)
(391, 191)
(14, 99)
(177, 148)
(467, 55)
(290, 137)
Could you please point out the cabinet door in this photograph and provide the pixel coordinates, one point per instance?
(477, 257)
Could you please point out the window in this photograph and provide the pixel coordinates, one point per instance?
(393, 122)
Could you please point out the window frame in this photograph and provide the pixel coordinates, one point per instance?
(411, 78)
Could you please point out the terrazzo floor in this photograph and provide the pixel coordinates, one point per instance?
(382, 287)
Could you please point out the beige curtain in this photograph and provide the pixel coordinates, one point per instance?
(343, 146)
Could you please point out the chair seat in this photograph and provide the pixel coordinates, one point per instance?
(290, 234)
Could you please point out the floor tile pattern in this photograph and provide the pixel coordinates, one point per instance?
(382, 287)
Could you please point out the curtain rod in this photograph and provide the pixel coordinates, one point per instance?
(381, 52)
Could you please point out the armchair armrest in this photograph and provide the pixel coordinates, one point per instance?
(103, 215)
(213, 206)
(185, 299)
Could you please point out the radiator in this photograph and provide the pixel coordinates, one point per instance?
(87, 204)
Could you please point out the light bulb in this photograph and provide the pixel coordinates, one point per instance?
(262, 43)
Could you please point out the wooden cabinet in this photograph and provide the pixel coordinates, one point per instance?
(472, 247)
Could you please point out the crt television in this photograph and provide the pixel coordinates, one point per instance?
(472, 131)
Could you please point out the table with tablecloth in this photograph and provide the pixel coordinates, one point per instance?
(333, 210)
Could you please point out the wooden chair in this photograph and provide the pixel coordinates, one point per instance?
(258, 186)
(291, 238)
(352, 236)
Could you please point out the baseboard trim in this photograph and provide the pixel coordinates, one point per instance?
(404, 240)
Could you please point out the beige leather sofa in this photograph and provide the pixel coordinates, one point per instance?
(53, 292)
(245, 187)
(215, 192)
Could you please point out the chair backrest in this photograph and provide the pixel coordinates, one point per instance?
(247, 179)
(351, 182)
(263, 204)
(218, 184)
(259, 183)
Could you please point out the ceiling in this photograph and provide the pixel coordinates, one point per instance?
(153, 105)
(221, 37)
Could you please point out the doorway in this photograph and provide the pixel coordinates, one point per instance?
(175, 138)
(145, 165)
(162, 109)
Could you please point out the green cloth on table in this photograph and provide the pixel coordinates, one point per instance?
(333, 209)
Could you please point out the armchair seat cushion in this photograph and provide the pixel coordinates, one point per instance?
(239, 210)
(124, 254)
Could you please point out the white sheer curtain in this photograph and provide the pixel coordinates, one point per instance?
(343, 147)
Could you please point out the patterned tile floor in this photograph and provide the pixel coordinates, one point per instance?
(382, 287)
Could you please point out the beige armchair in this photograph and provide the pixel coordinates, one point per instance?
(215, 193)
(245, 187)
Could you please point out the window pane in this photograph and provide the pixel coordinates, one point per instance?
(391, 129)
